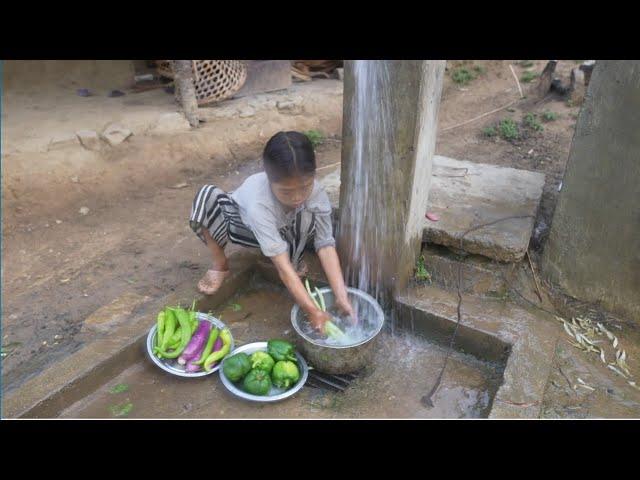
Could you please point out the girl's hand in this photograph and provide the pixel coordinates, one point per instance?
(345, 307)
(318, 318)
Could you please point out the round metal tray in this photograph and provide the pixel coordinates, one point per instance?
(275, 394)
(171, 365)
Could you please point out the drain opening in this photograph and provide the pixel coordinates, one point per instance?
(334, 383)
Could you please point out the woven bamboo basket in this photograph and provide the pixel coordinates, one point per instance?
(215, 80)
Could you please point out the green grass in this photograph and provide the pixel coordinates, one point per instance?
(528, 76)
(526, 63)
(462, 75)
(422, 275)
(508, 129)
(315, 137)
(489, 131)
(532, 122)
(548, 116)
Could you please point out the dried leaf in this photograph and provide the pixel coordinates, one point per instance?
(615, 342)
(602, 357)
(612, 367)
(566, 329)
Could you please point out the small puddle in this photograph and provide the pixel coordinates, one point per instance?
(404, 368)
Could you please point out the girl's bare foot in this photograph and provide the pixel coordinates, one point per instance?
(210, 283)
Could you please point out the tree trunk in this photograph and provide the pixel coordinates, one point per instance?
(185, 90)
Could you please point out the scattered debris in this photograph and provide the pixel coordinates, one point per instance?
(115, 93)
(65, 280)
(180, 185)
(84, 210)
(434, 217)
(58, 222)
(84, 92)
(75, 179)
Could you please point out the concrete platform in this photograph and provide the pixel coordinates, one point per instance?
(466, 194)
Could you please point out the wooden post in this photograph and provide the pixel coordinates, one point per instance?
(389, 132)
(185, 90)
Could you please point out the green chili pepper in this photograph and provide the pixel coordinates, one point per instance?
(213, 336)
(185, 329)
(160, 331)
(225, 335)
(170, 324)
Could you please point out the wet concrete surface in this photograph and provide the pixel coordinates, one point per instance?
(405, 367)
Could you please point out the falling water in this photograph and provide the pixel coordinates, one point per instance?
(371, 247)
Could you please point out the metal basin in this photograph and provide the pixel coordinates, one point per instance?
(342, 359)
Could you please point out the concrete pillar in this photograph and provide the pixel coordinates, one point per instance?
(389, 132)
(593, 251)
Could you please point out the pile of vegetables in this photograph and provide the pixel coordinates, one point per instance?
(330, 328)
(197, 344)
(256, 373)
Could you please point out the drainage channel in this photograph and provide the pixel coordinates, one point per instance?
(334, 383)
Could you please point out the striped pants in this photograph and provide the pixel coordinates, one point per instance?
(216, 211)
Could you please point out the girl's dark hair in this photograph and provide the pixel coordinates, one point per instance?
(289, 154)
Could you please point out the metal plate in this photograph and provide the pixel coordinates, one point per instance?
(171, 365)
(275, 394)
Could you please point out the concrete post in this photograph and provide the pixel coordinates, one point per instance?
(389, 132)
(593, 251)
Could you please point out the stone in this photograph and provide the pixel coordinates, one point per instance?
(247, 112)
(114, 134)
(485, 193)
(168, 123)
(84, 210)
(63, 140)
(465, 194)
(114, 314)
(290, 106)
(89, 139)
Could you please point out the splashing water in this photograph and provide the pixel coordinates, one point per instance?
(369, 249)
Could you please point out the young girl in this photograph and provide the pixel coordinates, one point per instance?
(279, 211)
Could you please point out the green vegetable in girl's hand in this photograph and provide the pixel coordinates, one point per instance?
(281, 350)
(262, 361)
(331, 330)
(236, 366)
(257, 382)
(285, 374)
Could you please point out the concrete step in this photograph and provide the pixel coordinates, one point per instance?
(492, 330)
(479, 276)
(465, 195)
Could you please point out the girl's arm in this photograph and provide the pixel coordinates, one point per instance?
(331, 266)
(293, 283)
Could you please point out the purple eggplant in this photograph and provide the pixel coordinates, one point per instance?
(196, 344)
(191, 367)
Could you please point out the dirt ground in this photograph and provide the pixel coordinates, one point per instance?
(60, 267)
